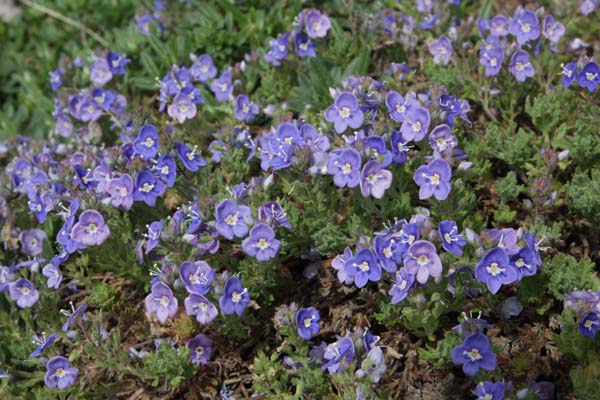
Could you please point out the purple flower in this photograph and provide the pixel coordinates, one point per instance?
(235, 297)
(146, 142)
(474, 354)
(304, 46)
(588, 6)
(167, 169)
(90, 230)
(338, 354)
(190, 157)
(416, 124)
(590, 324)
(520, 66)
(422, 260)
(261, 243)
(307, 322)
(442, 140)
(232, 219)
(60, 373)
(552, 29)
(376, 149)
(117, 63)
(182, 108)
(495, 270)
(525, 27)
(434, 179)
(244, 109)
(52, 272)
(161, 302)
(524, 263)
(441, 50)
(84, 108)
(4, 284)
(569, 73)
(386, 250)
(317, 24)
(278, 49)
(43, 343)
(345, 112)
(533, 246)
(147, 188)
(491, 58)
(452, 242)
(199, 306)
(402, 284)
(338, 264)
(499, 25)
(399, 148)
(589, 76)
(345, 168)
(203, 68)
(23, 292)
(398, 106)
(120, 191)
(74, 314)
(363, 267)
(197, 276)
(100, 72)
(222, 87)
(55, 79)
(200, 349)
(424, 6)
(153, 235)
(32, 242)
(375, 180)
(490, 391)
(143, 23)
(272, 213)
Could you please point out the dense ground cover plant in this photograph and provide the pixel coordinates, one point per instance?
(339, 200)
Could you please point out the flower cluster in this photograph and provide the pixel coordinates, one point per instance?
(586, 304)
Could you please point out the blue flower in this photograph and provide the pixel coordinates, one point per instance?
(452, 242)
(474, 354)
(146, 142)
(190, 157)
(345, 112)
(307, 322)
(363, 267)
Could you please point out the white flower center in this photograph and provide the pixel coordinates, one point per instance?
(345, 112)
(526, 28)
(149, 142)
(60, 372)
(364, 266)
(147, 187)
(236, 297)
(346, 168)
(590, 76)
(92, 228)
(400, 108)
(262, 244)
(164, 301)
(494, 269)
(232, 219)
(473, 354)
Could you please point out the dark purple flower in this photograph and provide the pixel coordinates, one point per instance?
(117, 63)
(375, 180)
(434, 179)
(398, 106)
(55, 79)
(222, 87)
(495, 270)
(23, 292)
(147, 188)
(120, 191)
(525, 27)
(200, 349)
(52, 272)
(60, 373)
(520, 66)
(100, 72)
(416, 124)
(304, 46)
(399, 148)
(490, 391)
(32, 242)
(552, 29)
(161, 302)
(441, 50)
(232, 219)
(166, 169)
(345, 112)
(338, 354)
(182, 108)
(345, 168)
(307, 322)
(203, 68)
(590, 325)
(190, 157)
(90, 230)
(235, 297)
(245, 110)
(199, 306)
(422, 260)
(499, 25)
(43, 343)
(261, 243)
(197, 276)
(317, 24)
(272, 213)
(569, 73)
(146, 142)
(363, 267)
(402, 284)
(589, 76)
(474, 354)
(452, 242)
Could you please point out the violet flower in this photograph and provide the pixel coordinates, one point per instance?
(116, 63)
(200, 349)
(345, 168)
(23, 292)
(423, 261)
(60, 373)
(244, 109)
(43, 343)
(55, 79)
(569, 73)
(307, 322)
(416, 124)
(402, 285)
(317, 24)
(161, 302)
(520, 66)
(499, 25)
(75, 313)
(590, 324)
(222, 87)
(442, 140)
(363, 267)
(52, 272)
(120, 191)
(345, 112)
(199, 306)
(32, 242)
(182, 108)
(235, 297)
(552, 29)
(495, 270)
(167, 170)
(261, 243)
(490, 391)
(589, 76)
(190, 157)
(434, 179)
(338, 354)
(146, 142)
(147, 188)
(338, 264)
(452, 242)
(441, 50)
(90, 230)
(304, 46)
(203, 68)
(272, 213)
(197, 276)
(375, 180)
(100, 72)
(398, 106)
(232, 219)
(525, 27)
(474, 354)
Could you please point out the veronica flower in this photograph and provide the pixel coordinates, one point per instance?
(423, 261)
(520, 66)
(373, 365)
(424, 6)
(452, 242)
(143, 23)
(363, 267)
(499, 25)
(304, 46)
(278, 49)
(100, 72)
(397, 105)
(490, 391)
(161, 302)
(272, 213)
(244, 109)
(434, 179)
(399, 148)
(153, 235)
(166, 169)
(569, 73)
(474, 354)
(4, 284)
(402, 285)
(416, 124)
(73, 314)
(590, 324)
(84, 108)
(375, 149)
(345, 112)
(55, 79)
(338, 354)
(42, 343)
(116, 63)
(534, 247)
(203, 68)
(588, 6)
(190, 157)
(492, 60)
(90, 230)
(495, 270)
(338, 264)
(552, 29)
(222, 87)
(120, 191)
(60, 373)
(307, 322)
(506, 239)
(182, 108)
(345, 168)
(146, 142)
(525, 27)
(235, 297)
(524, 263)
(261, 243)
(405, 237)
(147, 188)
(317, 24)
(387, 253)
(199, 306)
(442, 140)
(589, 76)
(232, 219)
(375, 180)
(197, 276)
(24, 293)
(200, 349)
(52, 272)
(32, 242)
(441, 50)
